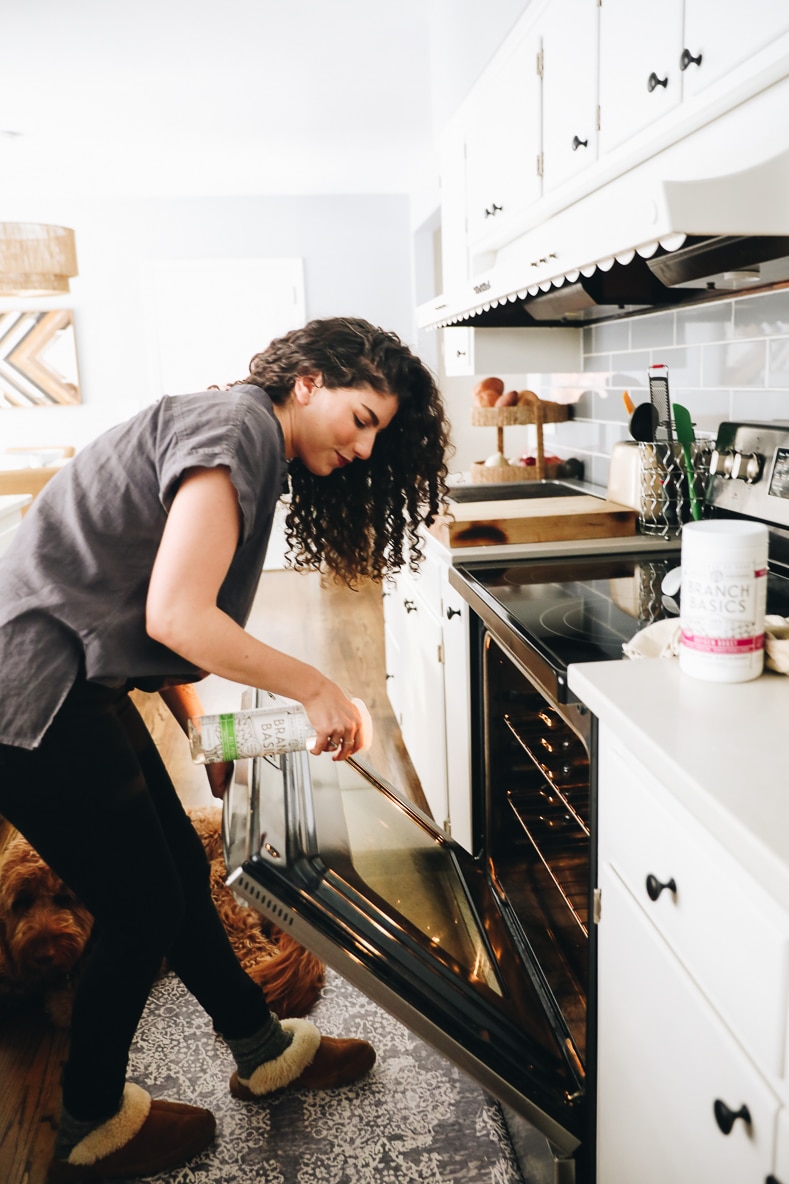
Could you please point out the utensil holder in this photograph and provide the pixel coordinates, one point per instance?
(664, 496)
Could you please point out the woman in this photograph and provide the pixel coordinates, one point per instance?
(136, 567)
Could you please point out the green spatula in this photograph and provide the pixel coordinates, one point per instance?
(686, 437)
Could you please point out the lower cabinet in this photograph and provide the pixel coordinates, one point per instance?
(692, 995)
(665, 1063)
(426, 639)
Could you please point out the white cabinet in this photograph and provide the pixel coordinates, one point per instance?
(665, 1061)
(457, 711)
(470, 351)
(640, 79)
(427, 669)
(655, 57)
(503, 142)
(569, 90)
(724, 34)
(693, 990)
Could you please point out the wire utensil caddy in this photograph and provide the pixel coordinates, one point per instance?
(665, 503)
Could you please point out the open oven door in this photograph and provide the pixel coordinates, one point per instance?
(360, 876)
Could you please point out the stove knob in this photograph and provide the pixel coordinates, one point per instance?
(721, 462)
(747, 467)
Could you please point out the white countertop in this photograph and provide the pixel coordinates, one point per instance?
(722, 749)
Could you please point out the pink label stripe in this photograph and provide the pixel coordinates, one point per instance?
(722, 645)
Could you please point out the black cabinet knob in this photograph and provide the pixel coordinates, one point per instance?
(653, 81)
(726, 1118)
(492, 211)
(655, 887)
(409, 606)
(578, 143)
(687, 58)
(452, 612)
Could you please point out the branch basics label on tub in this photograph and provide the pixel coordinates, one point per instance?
(724, 594)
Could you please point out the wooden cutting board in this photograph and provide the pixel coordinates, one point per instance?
(534, 520)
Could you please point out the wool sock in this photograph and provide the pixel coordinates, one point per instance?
(72, 1130)
(266, 1044)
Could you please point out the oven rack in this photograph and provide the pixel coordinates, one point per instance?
(566, 883)
(561, 786)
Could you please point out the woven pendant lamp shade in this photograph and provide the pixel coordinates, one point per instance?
(36, 259)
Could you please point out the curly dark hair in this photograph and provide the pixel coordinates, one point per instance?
(362, 521)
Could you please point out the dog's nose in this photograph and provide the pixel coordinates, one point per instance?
(43, 955)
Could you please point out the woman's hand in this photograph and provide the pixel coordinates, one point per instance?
(220, 774)
(337, 722)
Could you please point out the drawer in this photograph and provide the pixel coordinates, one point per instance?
(732, 938)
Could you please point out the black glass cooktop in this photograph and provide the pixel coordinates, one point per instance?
(583, 610)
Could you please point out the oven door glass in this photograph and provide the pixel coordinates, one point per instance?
(364, 879)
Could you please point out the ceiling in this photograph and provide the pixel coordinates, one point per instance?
(191, 97)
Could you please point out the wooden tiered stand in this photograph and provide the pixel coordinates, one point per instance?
(530, 409)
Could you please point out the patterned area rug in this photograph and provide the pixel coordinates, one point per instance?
(415, 1118)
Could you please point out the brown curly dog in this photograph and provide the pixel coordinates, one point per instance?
(44, 930)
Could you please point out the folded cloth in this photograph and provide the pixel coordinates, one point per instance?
(661, 640)
(776, 643)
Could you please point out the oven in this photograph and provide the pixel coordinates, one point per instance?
(488, 956)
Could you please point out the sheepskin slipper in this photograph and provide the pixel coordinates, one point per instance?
(310, 1061)
(145, 1137)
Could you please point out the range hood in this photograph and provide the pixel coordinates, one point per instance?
(635, 244)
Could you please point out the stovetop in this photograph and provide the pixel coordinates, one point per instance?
(583, 608)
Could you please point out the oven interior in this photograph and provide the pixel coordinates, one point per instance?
(537, 812)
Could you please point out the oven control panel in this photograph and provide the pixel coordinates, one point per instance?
(749, 471)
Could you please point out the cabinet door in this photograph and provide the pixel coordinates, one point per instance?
(503, 144)
(664, 1061)
(724, 34)
(640, 77)
(454, 245)
(569, 90)
(458, 712)
(393, 631)
(423, 725)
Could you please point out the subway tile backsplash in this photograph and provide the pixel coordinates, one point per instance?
(726, 360)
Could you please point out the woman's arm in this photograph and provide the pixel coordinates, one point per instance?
(197, 547)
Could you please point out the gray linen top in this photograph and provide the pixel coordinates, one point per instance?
(73, 583)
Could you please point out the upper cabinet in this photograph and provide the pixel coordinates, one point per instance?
(640, 79)
(580, 93)
(722, 35)
(655, 57)
(569, 90)
(502, 142)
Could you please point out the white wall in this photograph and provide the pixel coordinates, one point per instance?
(356, 252)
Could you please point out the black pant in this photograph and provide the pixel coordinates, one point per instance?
(96, 802)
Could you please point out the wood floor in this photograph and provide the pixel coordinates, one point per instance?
(339, 631)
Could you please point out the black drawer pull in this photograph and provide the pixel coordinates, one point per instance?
(579, 143)
(493, 211)
(653, 82)
(409, 606)
(453, 612)
(687, 58)
(726, 1118)
(655, 887)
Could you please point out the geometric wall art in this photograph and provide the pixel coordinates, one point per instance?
(38, 358)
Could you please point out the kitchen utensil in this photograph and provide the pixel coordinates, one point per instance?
(643, 423)
(686, 437)
(629, 404)
(659, 398)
